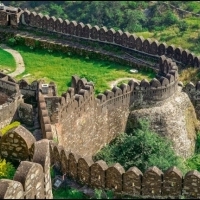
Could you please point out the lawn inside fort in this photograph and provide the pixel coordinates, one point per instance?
(59, 67)
(8, 62)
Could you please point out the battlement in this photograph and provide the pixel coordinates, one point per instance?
(31, 176)
(85, 123)
(110, 36)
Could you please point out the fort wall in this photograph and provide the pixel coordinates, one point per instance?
(94, 121)
(32, 178)
(104, 35)
(153, 182)
(8, 113)
(85, 123)
(10, 99)
(193, 91)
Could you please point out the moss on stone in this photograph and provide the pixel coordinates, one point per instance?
(4, 130)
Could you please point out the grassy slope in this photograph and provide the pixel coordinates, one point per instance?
(189, 39)
(59, 68)
(7, 61)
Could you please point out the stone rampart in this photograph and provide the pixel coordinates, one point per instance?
(193, 91)
(90, 120)
(8, 112)
(95, 33)
(32, 178)
(153, 182)
(28, 90)
(85, 124)
(10, 98)
(8, 87)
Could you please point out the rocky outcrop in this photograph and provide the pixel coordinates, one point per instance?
(173, 118)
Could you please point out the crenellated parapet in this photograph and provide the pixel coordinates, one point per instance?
(74, 29)
(153, 182)
(193, 91)
(77, 98)
(10, 98)
(108, 36)
(32, 177)
(158, 89)
(105, 116)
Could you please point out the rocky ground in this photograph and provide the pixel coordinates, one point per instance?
(175, 119)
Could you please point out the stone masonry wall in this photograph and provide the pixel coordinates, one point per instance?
(32, 178)
(8, 112)
(93, 122)
(119, 38)
(153, 182)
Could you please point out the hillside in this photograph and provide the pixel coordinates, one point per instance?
(153, 19)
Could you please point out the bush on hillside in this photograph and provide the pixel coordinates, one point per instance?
(142, 148)
(183, 26)
(194, 161)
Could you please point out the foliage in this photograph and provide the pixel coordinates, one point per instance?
(183, 26)
(98, 194)
(8, 61)
(67, 193)
(197, 147)
(5, 129)
(11, 41)
(52, 173)
(20, 40)
(7, 170)
(141, 148)
(194, 161)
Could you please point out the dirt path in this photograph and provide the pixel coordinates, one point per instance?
(114, 83)
(18, 59)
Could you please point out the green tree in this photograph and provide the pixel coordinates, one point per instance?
(142, 148)
(170, 18)
(183, 26)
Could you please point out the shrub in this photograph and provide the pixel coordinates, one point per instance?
(9, 127)
(20, 40)
(142, 148)
(194, 161)
(182, 25)
(7, 170)
(11, 42)
(67, 193)
(170, 18)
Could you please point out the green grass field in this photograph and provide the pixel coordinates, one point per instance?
(7, 61)
(188, 39)
(59, 67)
